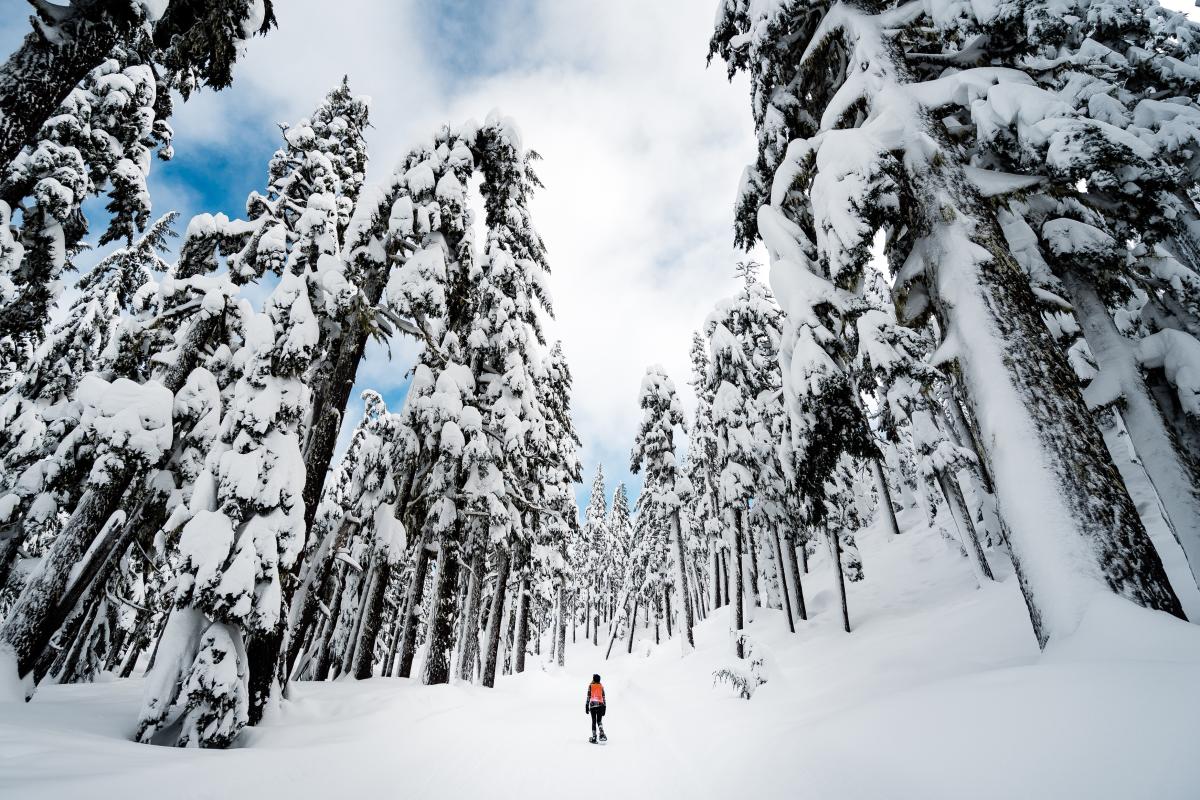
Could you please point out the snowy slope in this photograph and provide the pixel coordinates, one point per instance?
(939, 692)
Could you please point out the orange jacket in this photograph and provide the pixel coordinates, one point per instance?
(595, 695)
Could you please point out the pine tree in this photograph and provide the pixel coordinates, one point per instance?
(595, 539)
(664, 490)
(100, 139)
(870, 107)
(246, 527)
(196, 43)
(1098, 212)
(37, 413)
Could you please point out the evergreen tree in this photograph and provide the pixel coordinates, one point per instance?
(595, 540)
(195, 42)
(664, 490)
(849, 148)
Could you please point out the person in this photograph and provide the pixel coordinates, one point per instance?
(595, 706)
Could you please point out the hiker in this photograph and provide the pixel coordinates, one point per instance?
(595, 708)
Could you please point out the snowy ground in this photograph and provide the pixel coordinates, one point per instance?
(939, 692)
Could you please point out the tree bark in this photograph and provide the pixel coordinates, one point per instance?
(37, 612)
(468, 637)
(686, 619)
(443, 612)
(885, 497)
(1046, 438)
(1174, 474)
(495, 614)
(633, 625)
(412, 606)
(783, 589)
(560, 639)
(372, 617)
(961, 515)
(835, 549)
(521, 636)
(739, 604)
(795, 568)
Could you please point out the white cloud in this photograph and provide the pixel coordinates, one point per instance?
(642, 147)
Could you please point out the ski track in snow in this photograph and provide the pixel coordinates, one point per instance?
(939, 693)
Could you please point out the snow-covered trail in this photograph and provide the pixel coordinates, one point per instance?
(940, 692)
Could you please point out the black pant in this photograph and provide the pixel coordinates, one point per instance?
(597, 715)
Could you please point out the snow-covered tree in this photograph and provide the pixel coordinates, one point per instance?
(246, 528)
(665, 490)
(594, 542)
(100, 140)
(849, 146)
(194, 43)
(39, 411)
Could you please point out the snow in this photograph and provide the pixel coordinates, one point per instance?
(128, 415)
(940, 692)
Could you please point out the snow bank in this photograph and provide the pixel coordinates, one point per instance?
(941, 692)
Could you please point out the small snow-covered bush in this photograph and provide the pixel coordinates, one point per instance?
(744, 679)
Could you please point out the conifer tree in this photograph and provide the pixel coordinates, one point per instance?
(664, 490)
(196, 43)
(818, 214)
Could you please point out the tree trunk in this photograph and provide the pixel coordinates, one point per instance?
(1174, 474)
(1053, 475)
(264, 663)
(783, 589)
(961, 515)
(885, 498)
(442, 613)
(495, 614)
(37, 612)
(752, 546)
(835, 550)
(560, 639)
(468, 637)
(372, 616)
(412, 606)
(320, 670)
(64, 667)
(138, 642)
(965, 435)
(686, 620)
(716, 578)
(91, 579)
(307, 599)
(633, 625)
(521, 636)
(795, 568)
(739, 604)
(331, 393)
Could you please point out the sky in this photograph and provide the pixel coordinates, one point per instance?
(642, 148)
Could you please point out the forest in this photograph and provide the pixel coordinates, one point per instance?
(957, 370)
